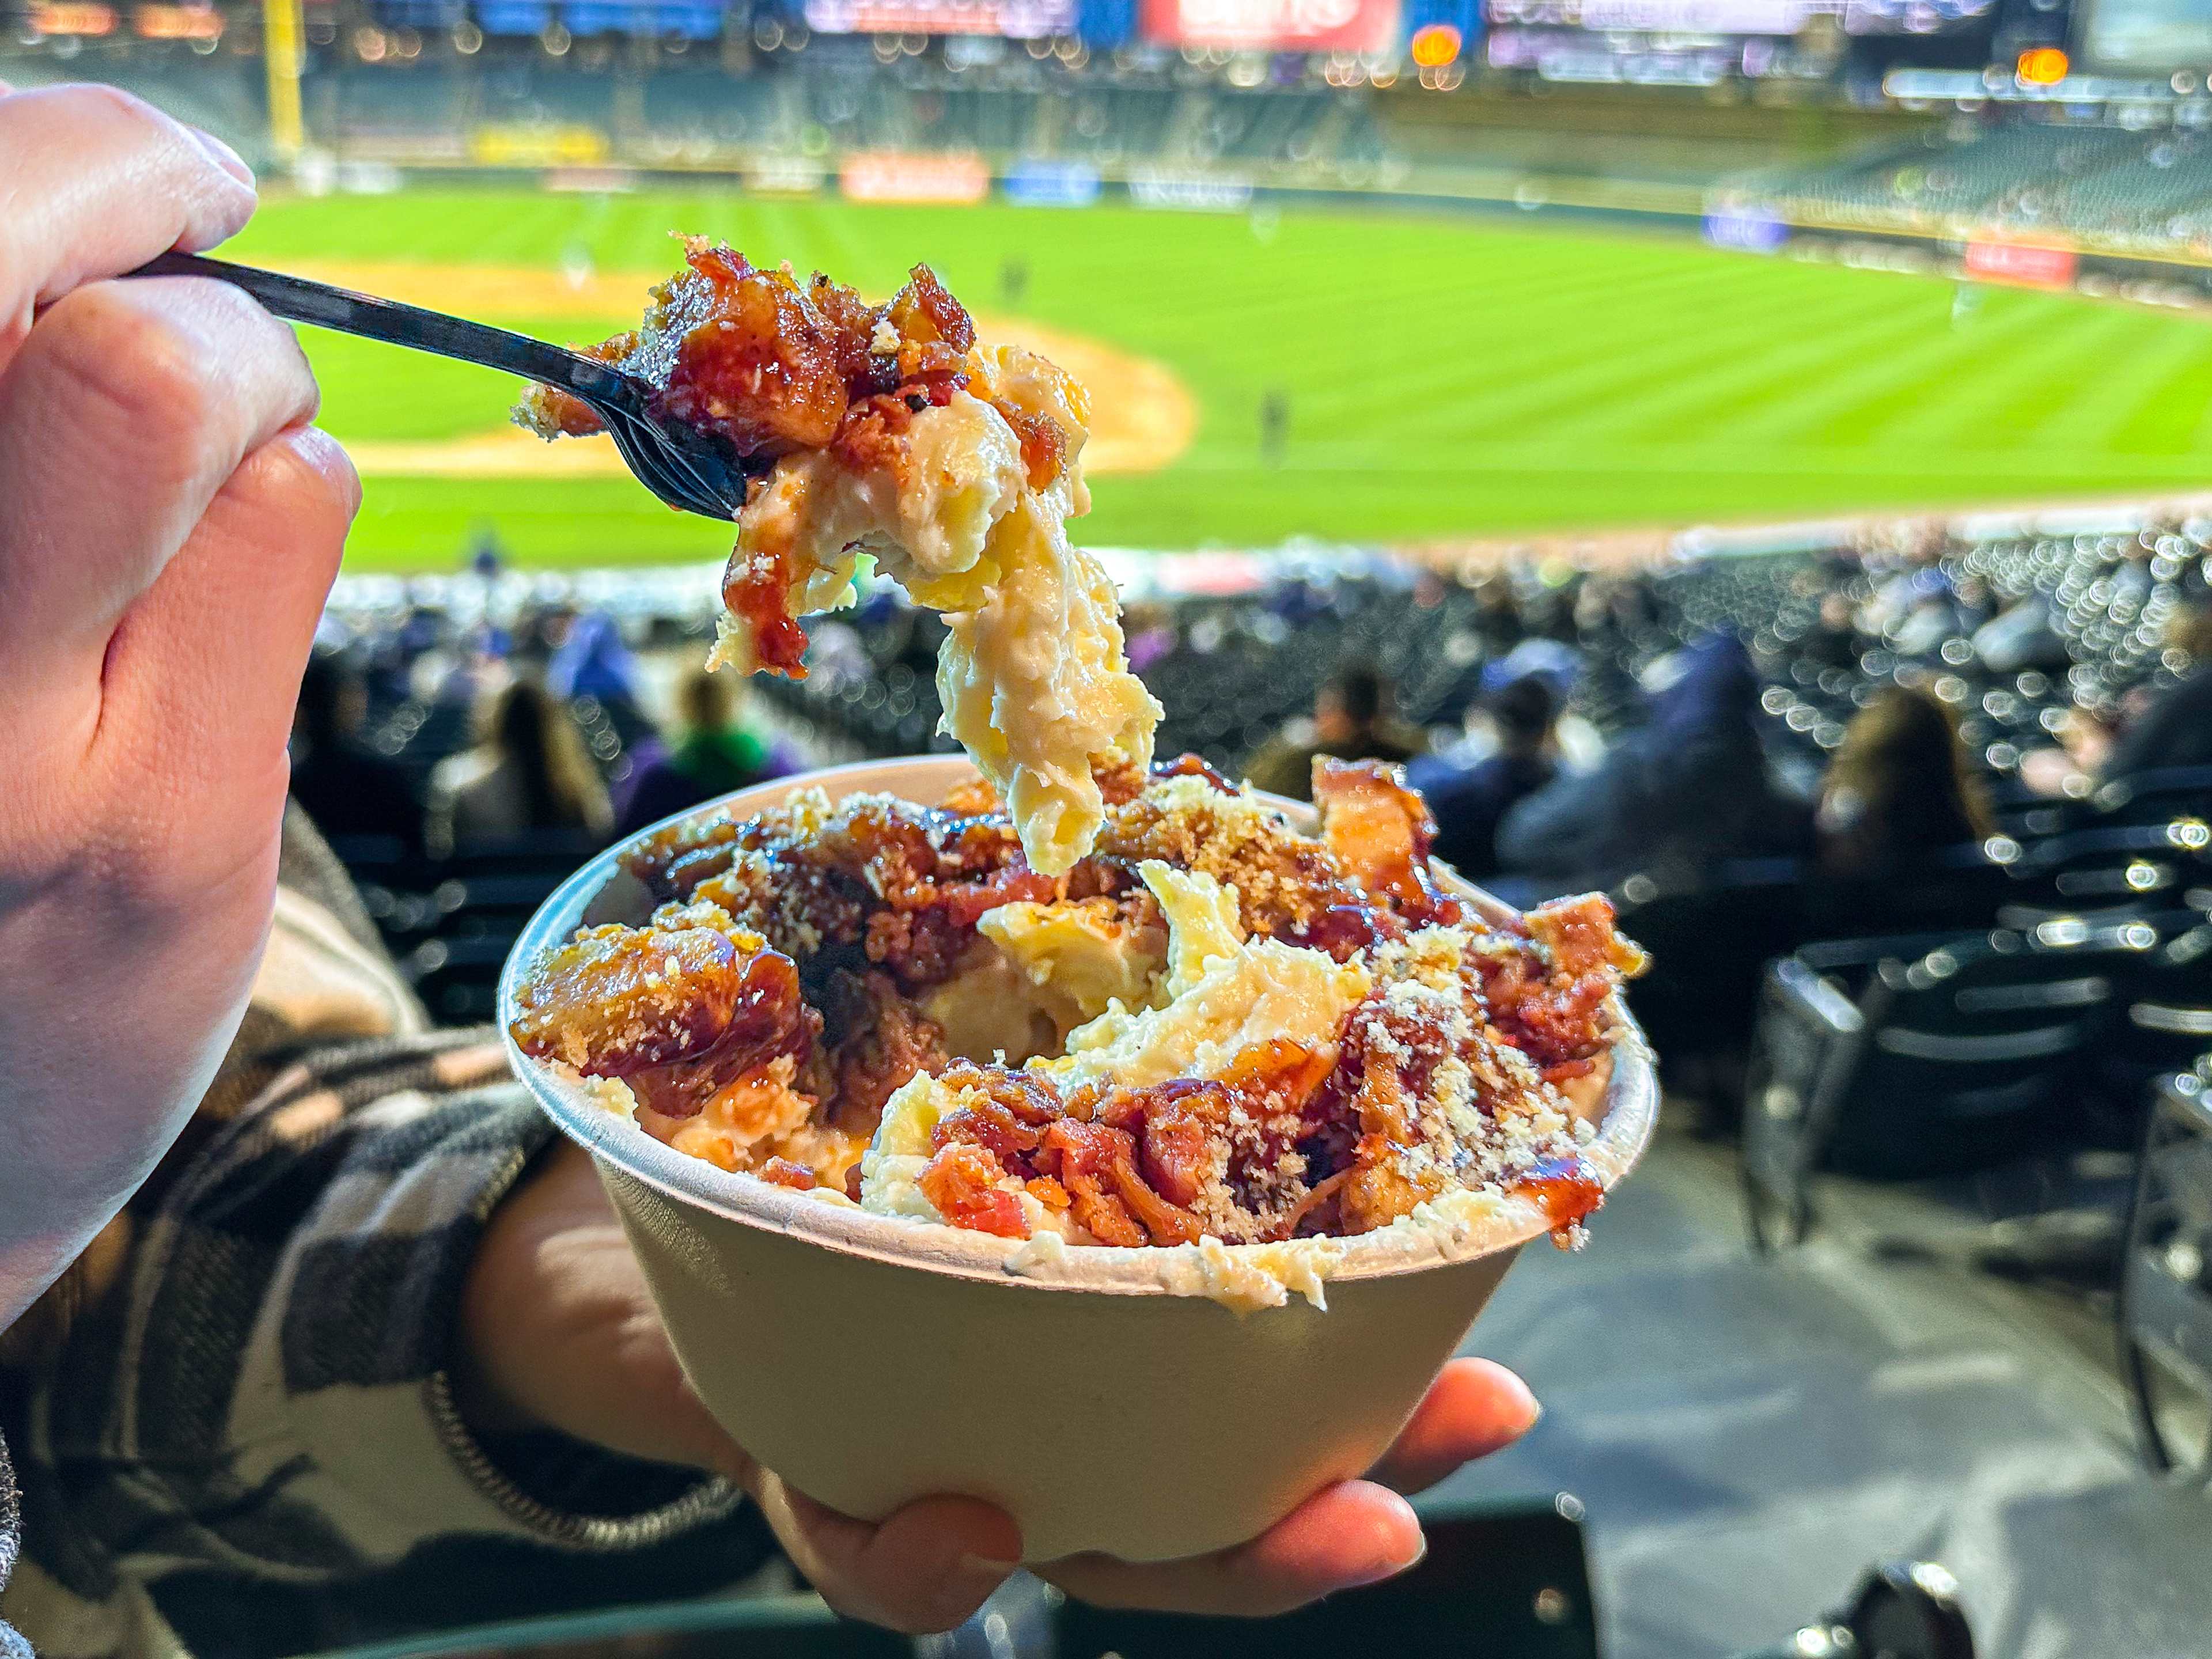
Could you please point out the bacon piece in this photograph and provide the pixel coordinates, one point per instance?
(784, 1173)
(1044, 445)
(1078, 1155)
(962, 1181)
(768, 1020)
(614, 1001)
(756, 362)
(925, 312)
(991, 1126)
(1175, 1153)
(1547, 998)
(1382, 831)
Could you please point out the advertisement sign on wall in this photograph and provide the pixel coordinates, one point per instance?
(1190, 192)
(894, 175)
(1019, 20)
(1052, 184)
(1749, 232)
(1274, 25)
(2020, 265)
(785, 175)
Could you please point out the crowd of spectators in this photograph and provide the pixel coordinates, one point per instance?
(2101, 184)
(1860, 728)
(491, 736)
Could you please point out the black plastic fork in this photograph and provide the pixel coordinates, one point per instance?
(687, 468)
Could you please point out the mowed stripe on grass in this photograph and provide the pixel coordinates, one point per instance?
(1445, 376)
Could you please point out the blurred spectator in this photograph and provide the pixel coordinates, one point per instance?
(1575, 744)
(528, 773)
(592, 661)
(715, 752)
(1351, 721)
(1150, 627)
(2171, 728)
(2019, 637)
(2175, 728)
(343, 784)
(486, 553)
(1469, 801)
(2085, 744)
(1901, 787)
(1833, 642)
(1689, 788)
(1935, 617)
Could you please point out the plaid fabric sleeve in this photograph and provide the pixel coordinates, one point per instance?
(265, 1394)
(12, 1646)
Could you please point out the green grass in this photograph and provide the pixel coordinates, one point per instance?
(1446, 376)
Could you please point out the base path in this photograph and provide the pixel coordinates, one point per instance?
(1143, 417)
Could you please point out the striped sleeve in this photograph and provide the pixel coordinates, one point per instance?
(12, 1646)
(264, 1395)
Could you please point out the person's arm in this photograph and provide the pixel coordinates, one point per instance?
(1561, 830)
(2170, 733)
(384, 1312)
(169, 526)
(284, 1409)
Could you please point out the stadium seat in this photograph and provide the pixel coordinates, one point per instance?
(2106, 874)
(458, 977)
(2167, 1020)
(2163, 1308)
(1902, 1058)
(2155, 797)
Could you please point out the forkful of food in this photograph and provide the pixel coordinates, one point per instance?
(687, 464)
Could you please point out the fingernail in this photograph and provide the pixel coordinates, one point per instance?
(983, 1570)
(1376, 1574)
(1536, 1406)
(224, 157)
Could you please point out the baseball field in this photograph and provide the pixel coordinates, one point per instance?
(1434, 377)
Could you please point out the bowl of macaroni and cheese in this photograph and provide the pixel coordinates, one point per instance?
(1082, 1133)
(1143, 1202)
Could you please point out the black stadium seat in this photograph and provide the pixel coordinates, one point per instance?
(2167, 1019)
(2108, 874)
(1900, 1058)
(2165, 1304)
(2155, 797)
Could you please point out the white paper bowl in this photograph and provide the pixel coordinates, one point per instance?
(870, 1360)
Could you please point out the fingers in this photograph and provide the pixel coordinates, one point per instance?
(1472, 1409)
(204, 672)
(128, 407)
(1352, 1533)
(924, 1569)
(93, 183)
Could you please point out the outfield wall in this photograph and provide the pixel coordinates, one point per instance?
(2178, 276)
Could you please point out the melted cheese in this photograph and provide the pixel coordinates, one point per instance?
(1033, 675)
(1225, 993)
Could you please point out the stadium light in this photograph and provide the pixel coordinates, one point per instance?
(1435, 44)
(2041, 66)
